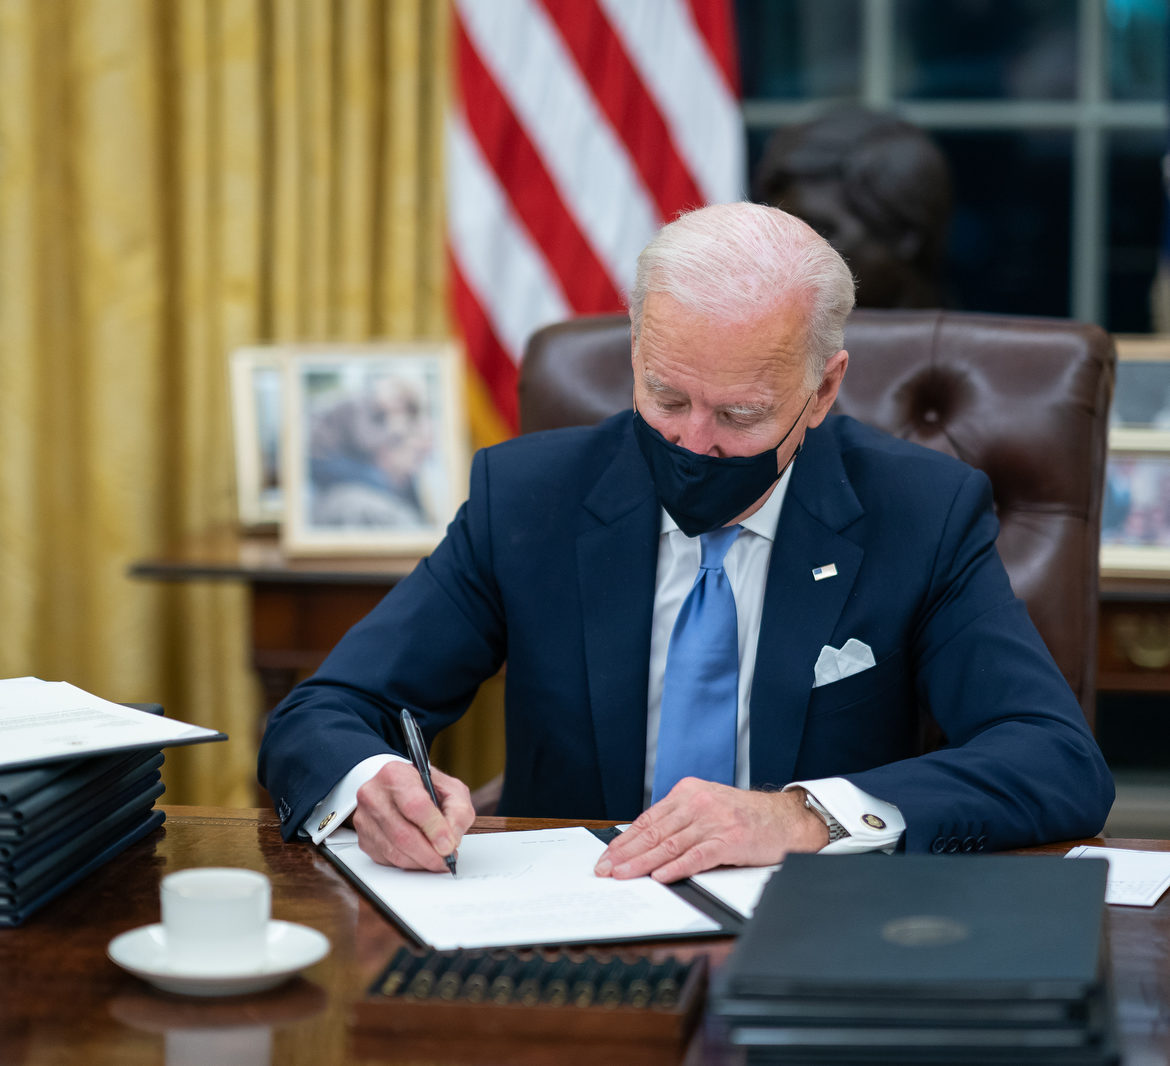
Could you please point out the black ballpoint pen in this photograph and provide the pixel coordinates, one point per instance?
(418, 756)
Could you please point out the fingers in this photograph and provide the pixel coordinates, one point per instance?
(673, 839)
(701, 825)
(398, 825)
(455, 798)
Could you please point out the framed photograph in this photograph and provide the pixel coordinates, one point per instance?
(1135, 519)
(375, 448)
(257, 389)
(1141, 396)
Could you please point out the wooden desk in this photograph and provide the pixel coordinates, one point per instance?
(65, 1002)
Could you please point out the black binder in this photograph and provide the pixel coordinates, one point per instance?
(15, 913)
(25, 873)
(923, 959)
(62, 819)
(17, 854)
(892, 927)
(33, 813)
(95, 798)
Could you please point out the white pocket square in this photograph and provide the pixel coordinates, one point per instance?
(833, 664)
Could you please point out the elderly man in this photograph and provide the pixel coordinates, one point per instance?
(721, 612)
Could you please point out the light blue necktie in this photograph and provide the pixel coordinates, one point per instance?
(700, 690)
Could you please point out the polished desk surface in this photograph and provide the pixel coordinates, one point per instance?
(63, 1001)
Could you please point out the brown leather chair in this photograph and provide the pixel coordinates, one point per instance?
(1024, 399)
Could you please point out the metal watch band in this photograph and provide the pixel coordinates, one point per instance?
(836, 830)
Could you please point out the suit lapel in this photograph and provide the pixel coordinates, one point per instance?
(616, 563)
(800, 612)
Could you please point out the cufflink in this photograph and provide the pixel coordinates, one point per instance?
(326, 820)
(283, 811)
(873, 821)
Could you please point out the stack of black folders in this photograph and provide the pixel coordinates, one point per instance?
(61, 820)
(924, 959)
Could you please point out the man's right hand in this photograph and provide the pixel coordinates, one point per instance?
(398, 825)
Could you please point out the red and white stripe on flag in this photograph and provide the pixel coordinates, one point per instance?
(577, 128)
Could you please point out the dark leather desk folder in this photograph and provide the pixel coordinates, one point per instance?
(851, 957)
(33, 791)
(61, 820)
(14, 913)
(87, 836)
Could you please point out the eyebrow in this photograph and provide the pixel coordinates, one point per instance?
(656, 385)
(751, 410)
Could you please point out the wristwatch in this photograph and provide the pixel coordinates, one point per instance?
(836, 830)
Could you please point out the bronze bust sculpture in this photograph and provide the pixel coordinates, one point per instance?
(877, 188)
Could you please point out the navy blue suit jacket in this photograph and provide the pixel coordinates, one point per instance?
(550, 566)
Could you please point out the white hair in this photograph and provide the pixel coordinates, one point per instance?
(741, 260)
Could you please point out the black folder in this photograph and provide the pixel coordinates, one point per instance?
(92, 802)
(79, 817)
(729, 922)
(943, 927)
(26, 872)
(15, 913)
(923, 959)
(68, 793)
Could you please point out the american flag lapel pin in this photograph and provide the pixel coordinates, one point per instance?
(821, 572)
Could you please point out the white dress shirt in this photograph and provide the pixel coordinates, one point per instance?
(746, 565)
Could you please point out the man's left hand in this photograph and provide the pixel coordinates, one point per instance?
(699, 825)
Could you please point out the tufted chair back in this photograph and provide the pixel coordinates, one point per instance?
(1026, 400)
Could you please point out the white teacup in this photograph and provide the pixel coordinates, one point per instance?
(216, 920)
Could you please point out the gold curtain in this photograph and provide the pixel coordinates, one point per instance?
(179, 178)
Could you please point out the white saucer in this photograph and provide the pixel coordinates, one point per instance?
(291, 948)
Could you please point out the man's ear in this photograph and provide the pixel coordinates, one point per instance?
(826, 395)
(634, 365)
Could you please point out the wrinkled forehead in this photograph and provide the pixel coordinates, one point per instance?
(764, 349)
(782, 320)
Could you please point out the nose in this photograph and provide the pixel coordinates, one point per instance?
(696, 433)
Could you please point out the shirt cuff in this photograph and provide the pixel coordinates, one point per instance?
(341, 801)
(872, 824)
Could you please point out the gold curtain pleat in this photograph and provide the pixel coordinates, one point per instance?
(179, 178)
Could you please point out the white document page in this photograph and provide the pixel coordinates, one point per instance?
(1136, 878)
(514, 889)
(737, 887)
(45, 720)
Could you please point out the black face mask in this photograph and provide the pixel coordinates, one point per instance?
(705, 492)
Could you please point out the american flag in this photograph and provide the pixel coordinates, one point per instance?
(577, 128)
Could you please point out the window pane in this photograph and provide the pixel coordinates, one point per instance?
(1138, 48)
(1134, 228)
(986, 49)
(799, 48)
(1009, 248)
